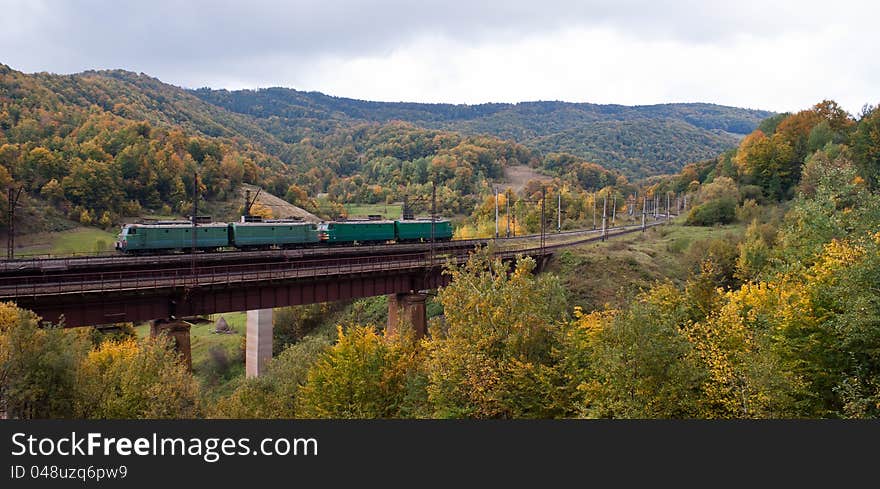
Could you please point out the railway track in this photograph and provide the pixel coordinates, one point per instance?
(49, 264)
(68, 282)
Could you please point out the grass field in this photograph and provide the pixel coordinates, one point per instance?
(600, 273)
(389, 211)
(83, 240)
(77, 240)
(217, 358)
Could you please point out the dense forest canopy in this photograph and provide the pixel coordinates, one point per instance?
(638, 141)
(105, 145)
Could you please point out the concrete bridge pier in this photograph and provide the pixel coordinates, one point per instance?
(258, 342)
(178, 331)
(408, 307)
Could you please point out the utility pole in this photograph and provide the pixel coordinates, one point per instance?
(543, 221)
(613, 209)
(433, 217)
(195, 218)
(594, 211)
(667, 206)
(12, 201)
(604, 218)
(507, 201)
(494, 189)
(248, 203)
(644, 211)
(559, 212)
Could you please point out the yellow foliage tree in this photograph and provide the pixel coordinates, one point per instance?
(494, 356)
(261, 210)
(130, 379)
(364, 375)
(746, 378)
(37, 365)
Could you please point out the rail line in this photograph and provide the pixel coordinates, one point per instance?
(49, 264)
(34, 285)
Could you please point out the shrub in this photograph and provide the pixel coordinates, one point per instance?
(720, 211)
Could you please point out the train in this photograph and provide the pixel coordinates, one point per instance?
(265, 234)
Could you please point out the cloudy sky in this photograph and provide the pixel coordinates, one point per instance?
(784, 55)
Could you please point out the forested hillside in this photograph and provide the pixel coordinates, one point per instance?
(777, 318)
(639, 141)
(101, 146)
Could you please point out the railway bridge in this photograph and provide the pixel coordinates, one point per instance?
(168, 288)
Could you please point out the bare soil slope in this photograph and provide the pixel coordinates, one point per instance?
(519, 175)
(280, 207)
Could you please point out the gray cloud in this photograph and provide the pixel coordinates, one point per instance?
(65, 36)
(263, 42)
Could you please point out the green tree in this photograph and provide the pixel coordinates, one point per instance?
(866, 146)
(720, 211)
(364, 375)
(494, 356)
(275, 394)
(638, 362)
(131, 379)
(52, 191)
(37, 366)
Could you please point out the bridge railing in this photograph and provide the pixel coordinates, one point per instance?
(97, 282)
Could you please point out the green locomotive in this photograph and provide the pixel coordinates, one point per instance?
(360, 231)
(170, 236)
(420, 230)
(281, 233)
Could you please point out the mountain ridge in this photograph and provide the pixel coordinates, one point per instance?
(652, 141)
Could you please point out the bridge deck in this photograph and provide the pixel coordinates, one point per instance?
(107, 294)
(185, 276)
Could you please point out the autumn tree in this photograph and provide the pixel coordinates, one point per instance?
(768, 162)
(136, 379)
(637, 362)
(261, 210)
(276, 393)
(745, 377)
(37, 366)
(494, 355)
(365, 375)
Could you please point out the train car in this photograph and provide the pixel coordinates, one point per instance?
(420, 230)
(356, 231)
(171, 236)
(282, 233)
